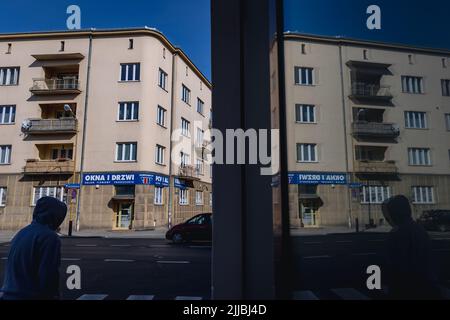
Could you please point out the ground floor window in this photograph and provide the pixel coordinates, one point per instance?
(2, 196)
(199, 198)
(423, 195)
(159, 196)
(54, 192)
(184, 197)
(375, 194)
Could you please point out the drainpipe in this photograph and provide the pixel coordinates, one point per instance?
(83, 143)
(344, 113)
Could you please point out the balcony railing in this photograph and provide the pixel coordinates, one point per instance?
(375, 129)
(60, 166)
(367, 90)
(188, 172)
(48, 126)
(55, 86)
(376, 167)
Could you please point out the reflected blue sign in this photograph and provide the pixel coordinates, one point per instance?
(128, 178)
(329, 178)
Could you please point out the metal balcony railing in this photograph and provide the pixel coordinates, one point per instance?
(375, 129)
(57, 86)
(60, 166)
(188, 172)
(368, 90)
(45, 126)
(377, 167)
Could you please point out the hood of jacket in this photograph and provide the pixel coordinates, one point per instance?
(50, 212)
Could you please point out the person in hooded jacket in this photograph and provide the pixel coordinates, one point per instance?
(411, 273)
(32, 269)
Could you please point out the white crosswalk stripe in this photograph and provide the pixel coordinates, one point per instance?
(140, 298)
(188, 298)
(93, 297)
(349, 294)
(305, 295)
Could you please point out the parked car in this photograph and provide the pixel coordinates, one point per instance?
(198, 228)
(435, 220)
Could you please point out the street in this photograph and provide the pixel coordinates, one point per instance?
(329, 266)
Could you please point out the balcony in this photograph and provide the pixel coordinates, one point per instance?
(365, 130)
(55, 86)
(376, 167)
(50, 126)
(45, 167)
(188, 173)
(368, 93)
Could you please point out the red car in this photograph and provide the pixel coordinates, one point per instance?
(198, 228)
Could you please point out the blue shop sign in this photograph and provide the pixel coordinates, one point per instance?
(180, 184)
(317, 178)
(128, 178)
(72, 186)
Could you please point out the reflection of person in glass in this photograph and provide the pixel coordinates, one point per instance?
(409, 256)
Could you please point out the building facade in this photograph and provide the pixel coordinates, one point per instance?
(365, 121)
(88, 116)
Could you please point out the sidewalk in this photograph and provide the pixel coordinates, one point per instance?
(336, 230)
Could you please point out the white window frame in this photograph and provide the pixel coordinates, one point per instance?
(160, 154)
(185, 127)
(412, 84)
(186, 94)
(46, 192)
(134, 66)
(3, 196)
(312, 147)
(133, 146)
(375, 194)
(134, 106)
(9, 76)
(159, 196)
(162, 79)
(445, 87)
(185, 159)
(423, 195)
(5, 153)
(11, 118)
(198, 198)
(183, 197)
(416, 120)
(200, 166)
(309, 78)
(299, 113)
(200, 106)
(419, 157)
(161, 116)
(200, 137)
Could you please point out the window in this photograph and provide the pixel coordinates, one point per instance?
(126, 152)
(447, 121)
(9, 76)
(185, 159)
(159, 199)
(200, 106)
(186, 95)
(5, 154)
(375, 194)
(159, 156)
(161, 116)
(185, 131)
(304, 76)
(128, 111)
(131, 44)
(199, 166)
(423, 195)
(62, 153)
(416, 120)
(306, 152)
(162, 79)
(305, 113)
(412, 84)
(54, 192)
(125, 190)
(445, 87)
(184, 197)
(200, 137)
(199, 198)
(2, 196)
(419, 157)
(130, 72)
(7, 114)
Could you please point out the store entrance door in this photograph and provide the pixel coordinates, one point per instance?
(124, 216)
(309, 214)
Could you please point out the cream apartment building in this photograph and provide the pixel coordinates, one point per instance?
(365, 121)
(87, 116)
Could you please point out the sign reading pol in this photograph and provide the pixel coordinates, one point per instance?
(317, 178)
(129, 178)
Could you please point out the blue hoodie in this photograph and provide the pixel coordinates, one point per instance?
(32, 269)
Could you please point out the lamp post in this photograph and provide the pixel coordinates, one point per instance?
(68, 108)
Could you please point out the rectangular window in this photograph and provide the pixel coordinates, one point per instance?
(306, 152)
(184, 197)
(412, 84)
(162, 79)
(126, 152)
(375, 194)
(159, 155)
(199, 198)
(423, 195)
(186, 94)
(304, 76)
(9, 76)
(128, 111)
(445, 87)
(416, 120)
(5, 154)
(200, 137)
(159, 198)
(185, 127)
(62, 153)
(7, 114)
(447, 121)
(185, 159)
(54, 192)
(161, 116)
(2, 196)
(305, 113)
(130, 72)
(199, 166)
(200, 106)
(419, 156)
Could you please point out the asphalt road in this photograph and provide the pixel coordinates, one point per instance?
(326, 267)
